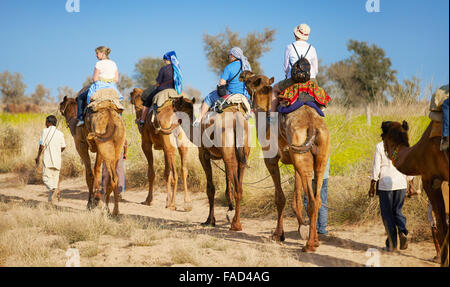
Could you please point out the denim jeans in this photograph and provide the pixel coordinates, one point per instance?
(322, 219)
(391, 204)
(81, 104)
(445, 119)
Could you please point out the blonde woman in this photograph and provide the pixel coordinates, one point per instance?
(106, 75)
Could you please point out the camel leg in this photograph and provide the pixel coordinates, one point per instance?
(111, 165)
(148, 151)
(172, 183)
(187, 198)
(280, 199)
(437, 202)
(108, 195)
(297, 202)
(301, 164)
(96, 186)
(210, 190)
(234, 186)
(82, 150)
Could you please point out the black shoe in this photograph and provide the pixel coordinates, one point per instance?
(403, 241)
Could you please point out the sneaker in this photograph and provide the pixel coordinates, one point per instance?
(444, 143)
(80, 123)
(403, 241)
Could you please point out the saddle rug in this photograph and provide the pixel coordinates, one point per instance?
(164, 96)
(101, 98)
(436, 130)
(297, 105)
(292, 93)
(233, 100)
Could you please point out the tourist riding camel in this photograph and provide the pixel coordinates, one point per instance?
(169, 77)
(303, 140)
(106, 75)
(295, 65)
(229, 83)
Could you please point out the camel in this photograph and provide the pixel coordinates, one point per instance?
(303, 141)
(160, 139)
(424, 159)
(104, 134)
(231, 146)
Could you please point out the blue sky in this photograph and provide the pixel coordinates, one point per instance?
(48, 45)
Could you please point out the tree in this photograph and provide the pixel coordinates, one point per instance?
(147, 70)
(193, 93)
(365, 76)
(65, 91)
(125, 83)
(407, 93)
(12, 88)
(87, 82)
(253, 46)
(41, 95)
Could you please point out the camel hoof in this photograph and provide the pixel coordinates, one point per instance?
(316, 244)
(278, 238)
(307, 249)
(236, 227)
(146, 203)
(209, 222)
(172, 207)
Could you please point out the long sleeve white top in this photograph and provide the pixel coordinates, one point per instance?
(290, 57)
(383, 171)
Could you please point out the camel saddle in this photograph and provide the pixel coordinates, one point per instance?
(227, 101)
(105, 98)
(162, 98)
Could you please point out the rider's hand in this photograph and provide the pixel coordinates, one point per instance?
(371, 191)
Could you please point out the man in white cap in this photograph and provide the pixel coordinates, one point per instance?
(300, 48)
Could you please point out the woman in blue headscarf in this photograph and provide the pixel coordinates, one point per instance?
(169, 77)
(229, 77)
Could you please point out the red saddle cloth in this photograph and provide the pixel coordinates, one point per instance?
(291, 94)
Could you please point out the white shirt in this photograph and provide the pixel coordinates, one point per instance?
(383, 171)
(107, 69)
(290, 57)
(53, 141)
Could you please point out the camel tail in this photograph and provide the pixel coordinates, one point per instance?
(309, 144)
(240, 149)
(110, 130)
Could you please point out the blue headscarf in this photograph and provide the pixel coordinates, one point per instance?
(238, 54)
(177, 76)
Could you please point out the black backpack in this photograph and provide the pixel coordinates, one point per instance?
(301, 70)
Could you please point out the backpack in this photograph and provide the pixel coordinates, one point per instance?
(301, 70)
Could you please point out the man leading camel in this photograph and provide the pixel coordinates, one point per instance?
(52, 144)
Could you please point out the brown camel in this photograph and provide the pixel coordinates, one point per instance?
(424, 159)
(161, 140)
(104, 134)
(231, 145)
(303, 141)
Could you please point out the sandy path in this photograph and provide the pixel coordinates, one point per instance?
(344, 246)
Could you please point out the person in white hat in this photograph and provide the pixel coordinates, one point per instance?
(292, 53)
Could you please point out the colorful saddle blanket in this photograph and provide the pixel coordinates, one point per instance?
(292, 93)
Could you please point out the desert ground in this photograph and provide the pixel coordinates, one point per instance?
(35, 233)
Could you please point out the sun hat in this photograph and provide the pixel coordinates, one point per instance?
(302, 31)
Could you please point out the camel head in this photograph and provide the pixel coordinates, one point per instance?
(259, 88)
(136, 100)
(68, 107)
(395, 136)
(185, 105)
